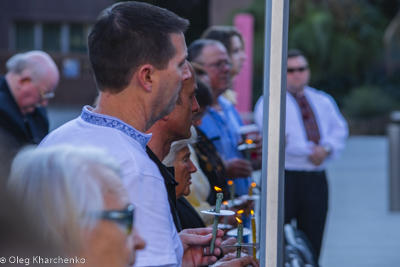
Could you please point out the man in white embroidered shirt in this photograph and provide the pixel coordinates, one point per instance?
(316, 132)
(138, 56)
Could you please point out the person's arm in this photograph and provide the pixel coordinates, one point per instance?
(237, 168)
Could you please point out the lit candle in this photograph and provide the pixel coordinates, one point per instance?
(226, 217)
(216, 217)
(239, 213)
(231, 190)
(220, 196)
(239, 237)
(247, 151)
(254, 232)
(251, 188)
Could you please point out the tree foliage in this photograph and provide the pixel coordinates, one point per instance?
(341, 38)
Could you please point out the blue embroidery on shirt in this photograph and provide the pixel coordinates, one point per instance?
(102, 120)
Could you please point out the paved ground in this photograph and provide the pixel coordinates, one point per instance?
(360, 231)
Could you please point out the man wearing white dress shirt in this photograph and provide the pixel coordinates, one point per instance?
(315, 133)
(138, 56)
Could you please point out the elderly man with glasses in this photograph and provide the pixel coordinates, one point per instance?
(76, 198)
(24, 92)
(221, 122)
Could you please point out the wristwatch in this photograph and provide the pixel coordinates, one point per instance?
(327, 148)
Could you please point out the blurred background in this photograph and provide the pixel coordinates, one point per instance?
(353, 47)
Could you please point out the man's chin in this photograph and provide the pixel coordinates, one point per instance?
(27, 110)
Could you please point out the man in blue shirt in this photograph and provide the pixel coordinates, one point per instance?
(221, 123)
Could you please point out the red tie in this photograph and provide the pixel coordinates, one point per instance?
(307, 113)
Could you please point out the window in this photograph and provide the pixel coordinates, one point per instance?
(24, 36)
(77, 38)
(51, 37)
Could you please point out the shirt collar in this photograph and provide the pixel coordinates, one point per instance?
(112, 122)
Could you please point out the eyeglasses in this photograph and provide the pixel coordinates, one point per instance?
(45, 96)
(124, 217)
(219, 64)
(301, 69)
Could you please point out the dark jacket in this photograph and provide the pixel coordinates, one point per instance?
(17, 128)
(170, 184)
(188, 215)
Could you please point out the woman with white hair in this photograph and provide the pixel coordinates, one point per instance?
(76, 195)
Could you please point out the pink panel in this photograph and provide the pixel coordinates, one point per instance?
(244, 81)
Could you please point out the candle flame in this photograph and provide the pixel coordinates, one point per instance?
(239, 220)
(217, 189)
(248, 141)
(253, 184)
(225, 203)
(230, 182)
(252, 212)
(240, 211)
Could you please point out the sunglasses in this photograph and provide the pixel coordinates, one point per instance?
(301, 69)
(124, 217)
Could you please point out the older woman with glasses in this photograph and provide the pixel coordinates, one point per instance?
(76, 195)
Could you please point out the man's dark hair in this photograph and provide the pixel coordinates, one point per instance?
(128, 35)
(196, 47)
(203, 93)
(295, 53)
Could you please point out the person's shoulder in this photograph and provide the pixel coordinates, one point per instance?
(314, 91)
(317, 93)
(224, 102)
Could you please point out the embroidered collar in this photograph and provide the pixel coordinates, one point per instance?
(111, 122)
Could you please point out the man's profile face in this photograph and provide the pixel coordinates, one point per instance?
(298, 74)
(31, 93)
(216, 62)
(181, 117)
(170, 79)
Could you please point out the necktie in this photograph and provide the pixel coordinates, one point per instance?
(308, 116)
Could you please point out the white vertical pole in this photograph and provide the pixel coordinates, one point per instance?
(275, 57)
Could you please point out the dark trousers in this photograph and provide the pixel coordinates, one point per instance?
(306, 200)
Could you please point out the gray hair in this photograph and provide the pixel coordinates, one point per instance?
(178, 146)
(195, 49)
(35, 61)
(61, 187)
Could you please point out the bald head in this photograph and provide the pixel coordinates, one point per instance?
(32, 78)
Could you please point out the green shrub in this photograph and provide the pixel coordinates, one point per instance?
(368, 101)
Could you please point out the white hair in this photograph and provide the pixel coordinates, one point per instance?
(62, 188)
(35, 61)
(178, 146)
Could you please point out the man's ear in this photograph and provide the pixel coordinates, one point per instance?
(146, 76)
(23, 79)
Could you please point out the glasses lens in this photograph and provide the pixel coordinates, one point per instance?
(301, 69)
(126, 217)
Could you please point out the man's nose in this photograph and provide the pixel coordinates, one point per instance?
(186, 74)
(195, 105)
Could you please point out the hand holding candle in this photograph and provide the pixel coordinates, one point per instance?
(254, 232)
(216, 217)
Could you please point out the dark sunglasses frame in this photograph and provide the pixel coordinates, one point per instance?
(125, 217)
(301, 69)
